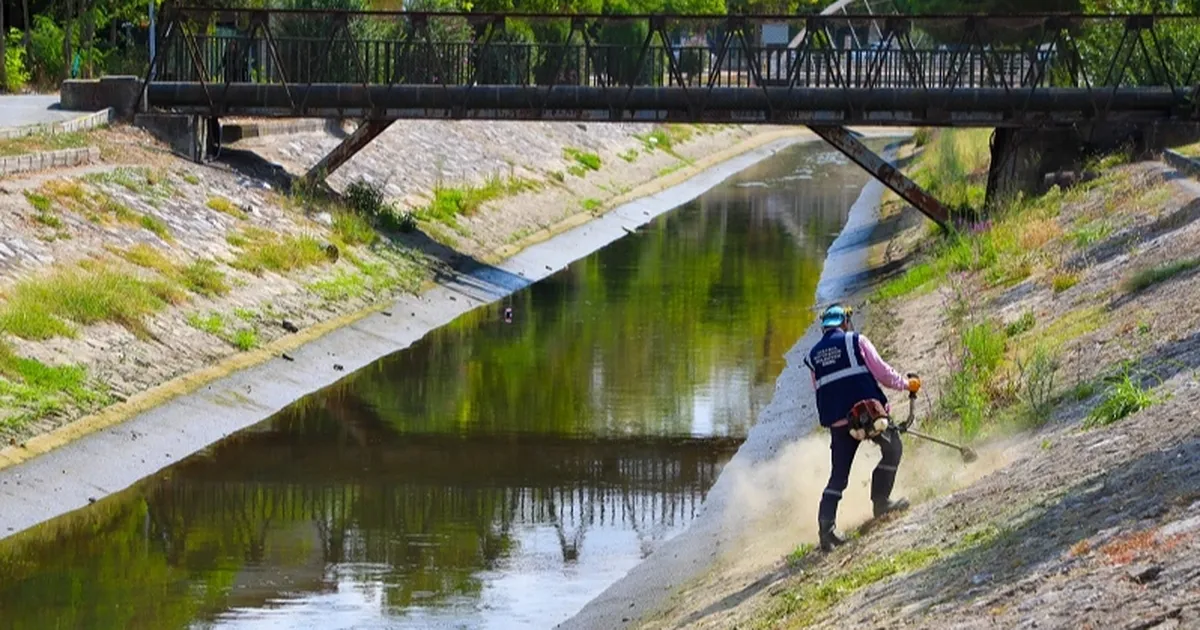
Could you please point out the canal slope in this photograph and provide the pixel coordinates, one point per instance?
(111, 458)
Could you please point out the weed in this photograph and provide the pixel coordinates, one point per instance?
(225, 206)
(37, 142)
(36, 389)
(191, 179)
(1046, 444)
(577, 170)
(1147, 278)
(1091, 233)
(42, 307)
(212, 323)
(39, 201)
(1024, 323)
(157, 226)
(672, 168)
(590, 204)
(922, 136)
(1035, 375)
(263, 251)
(202, 277)
(1122, 398)
(353, 229)
(245, 339)
(340, 287)
(48, 220)
(1083, 391)
(590, 161)
(1143, 328)
(146, 256)
(629, 156)
(1063, 281)
(245, 314)
(152, 185)
(799, 553)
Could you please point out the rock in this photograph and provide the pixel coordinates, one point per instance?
(338, 367)
(1179, 527)
(287, 357)
(289, 326)
(981, 578)
(1141, 573)
(324, 218)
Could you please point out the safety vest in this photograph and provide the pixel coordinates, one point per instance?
(842, 375)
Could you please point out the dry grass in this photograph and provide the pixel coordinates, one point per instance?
(53, 304)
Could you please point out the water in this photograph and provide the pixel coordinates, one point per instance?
(494, 475)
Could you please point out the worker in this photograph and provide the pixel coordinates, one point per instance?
(846, 369)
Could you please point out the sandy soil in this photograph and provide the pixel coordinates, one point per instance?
(1055, 527)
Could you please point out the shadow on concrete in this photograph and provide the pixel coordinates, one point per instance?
(1122, 241)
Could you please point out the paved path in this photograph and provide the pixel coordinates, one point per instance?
(16, 111)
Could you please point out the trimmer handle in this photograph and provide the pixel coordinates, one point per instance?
(911, 394)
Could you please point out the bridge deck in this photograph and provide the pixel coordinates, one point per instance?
(1030, 70)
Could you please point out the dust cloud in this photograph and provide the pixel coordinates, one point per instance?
(773, 504)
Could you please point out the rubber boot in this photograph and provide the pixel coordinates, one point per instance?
(889, 506)
(829, 537)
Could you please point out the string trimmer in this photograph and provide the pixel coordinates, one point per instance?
(968, 454)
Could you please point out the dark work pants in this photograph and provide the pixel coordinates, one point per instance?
(844, 447)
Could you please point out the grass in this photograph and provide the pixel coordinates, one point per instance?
(52, 305)
(354, 229)
(264, 251)
(1124, 397)
(203, 278)
(225, 206)
(340, 286)
(803, 606)
(588, 160)
(191, 179)
(590, 204)
(629, 156)
(157, 226)
(1022, 324)
(245, 339)
(151, 185)
(40, 202)
(798, 554)
(38, 142)
(1064, 280)
(36, 390)
(449, 202)
(577, 170)
(1146, 278)
(1091, 233)
(673, 167)
(211, 323)
(147, 256)
(953, 167)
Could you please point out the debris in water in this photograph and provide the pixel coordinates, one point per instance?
(338, 367)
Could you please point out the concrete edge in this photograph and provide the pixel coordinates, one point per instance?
(94, 120)
(45, 160)
(237, 131)
(1182, 163)
(109, 453)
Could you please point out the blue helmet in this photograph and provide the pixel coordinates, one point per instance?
(835, 316)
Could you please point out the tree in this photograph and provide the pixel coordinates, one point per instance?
(3, 52)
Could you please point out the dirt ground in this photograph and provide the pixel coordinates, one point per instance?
(1056, 526)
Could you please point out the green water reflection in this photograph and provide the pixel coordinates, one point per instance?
(493, 475)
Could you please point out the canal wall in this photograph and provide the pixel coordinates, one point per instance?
(84, 461)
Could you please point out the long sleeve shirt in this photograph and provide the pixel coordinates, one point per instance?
(885, 374)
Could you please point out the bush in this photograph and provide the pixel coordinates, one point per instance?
(1036, 382)
(1024, 323)
(16, 72)
(1124, 397)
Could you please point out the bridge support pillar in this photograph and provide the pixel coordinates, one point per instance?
(890, 176)
(366, 132)
(1022, 157)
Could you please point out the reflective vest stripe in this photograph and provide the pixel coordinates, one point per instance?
(841, 374)
(850, 350)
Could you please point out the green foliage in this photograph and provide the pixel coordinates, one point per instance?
(953, 168)
(38, 201)
(629, 156)
(590, 204)
(799, 553)
(1147, 278)
(43, 141)
(586, 159)
(448, 202)
(1063, 281)
(340, 287)
(211, 323)
(50, 305)
(353, 229)
(1122, 398)
(16, 73)
(922, 136)
(1091, 233)
(202, 277)
(225, 206)
(37, 390)
(147, 256)
(245, 339)
(157, 226)
(1024, 323)
(1035, 377)
(264, 251)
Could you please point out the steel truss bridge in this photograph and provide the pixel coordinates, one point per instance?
(825, 71)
